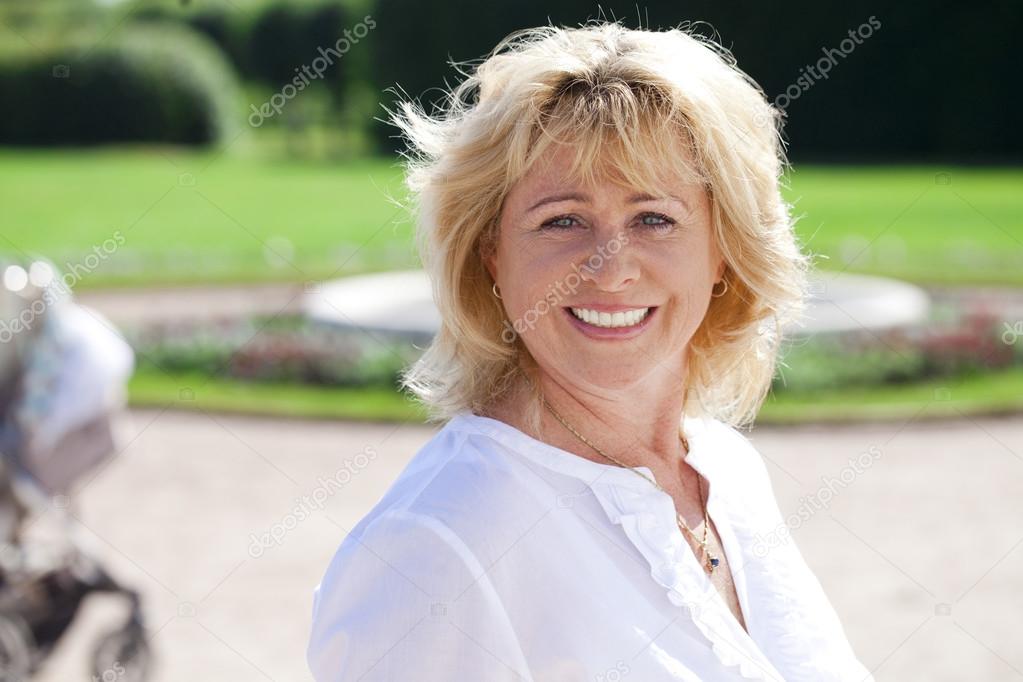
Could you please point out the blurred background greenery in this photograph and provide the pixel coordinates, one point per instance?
(221, 146)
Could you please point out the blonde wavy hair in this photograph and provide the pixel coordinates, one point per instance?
(633, 103)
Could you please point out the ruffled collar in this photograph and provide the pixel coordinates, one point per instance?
(647, 516)
(782, 632)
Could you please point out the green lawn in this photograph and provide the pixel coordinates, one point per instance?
(983, 394)
(153, 388)
(925, 224)
(182, 221)
(994, 393)
(188, 218)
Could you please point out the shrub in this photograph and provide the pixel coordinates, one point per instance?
(267, 41)
(150, 84)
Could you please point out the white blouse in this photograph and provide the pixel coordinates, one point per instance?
(495, 556)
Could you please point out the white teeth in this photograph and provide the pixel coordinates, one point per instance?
(627, 318)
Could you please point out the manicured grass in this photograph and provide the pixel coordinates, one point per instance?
(151, 387)
(190, 218)
(942, 225)
(239, 219)
(984, 394)
(996, 393)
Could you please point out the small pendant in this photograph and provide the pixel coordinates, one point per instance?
(714, 561)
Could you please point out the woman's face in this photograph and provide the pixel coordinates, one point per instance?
(639, 270)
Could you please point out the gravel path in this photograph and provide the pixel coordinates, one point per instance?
(919, 551)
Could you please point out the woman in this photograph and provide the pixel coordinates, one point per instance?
(600, 213)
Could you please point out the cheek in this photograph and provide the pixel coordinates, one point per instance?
(690, 262)
(687, 281)
(524, 287)
(532, 272)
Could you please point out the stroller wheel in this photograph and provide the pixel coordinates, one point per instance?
(122, 655)
(16, 647)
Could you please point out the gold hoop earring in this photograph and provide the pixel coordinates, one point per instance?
(494, 289)
(713, 295)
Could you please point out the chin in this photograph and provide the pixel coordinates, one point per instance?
(617, 376)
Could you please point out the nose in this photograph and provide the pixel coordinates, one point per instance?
(611, 266)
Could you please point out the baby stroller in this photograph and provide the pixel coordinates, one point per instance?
(62, 376)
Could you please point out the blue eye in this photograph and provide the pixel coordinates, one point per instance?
(558, 224)
(659, 224)
(666, 222)
(566, 222)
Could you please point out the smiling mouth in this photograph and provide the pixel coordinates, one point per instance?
(622, 319)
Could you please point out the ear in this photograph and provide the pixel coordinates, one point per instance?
(488, 254)
(720, 271)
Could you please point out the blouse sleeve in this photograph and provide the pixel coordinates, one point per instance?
(406, 599)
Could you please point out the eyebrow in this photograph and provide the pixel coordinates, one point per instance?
(575, 196)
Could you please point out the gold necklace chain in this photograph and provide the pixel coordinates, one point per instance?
(711, 562)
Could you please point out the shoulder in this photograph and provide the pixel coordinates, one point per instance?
(430, 533)
(412, 575)
(394, 554)
(469, 482)
(389, 598)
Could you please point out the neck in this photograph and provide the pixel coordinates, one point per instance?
(638, 428)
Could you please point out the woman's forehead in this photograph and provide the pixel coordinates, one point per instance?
(560, 170)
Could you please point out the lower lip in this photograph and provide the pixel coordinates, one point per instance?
(610, 333)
